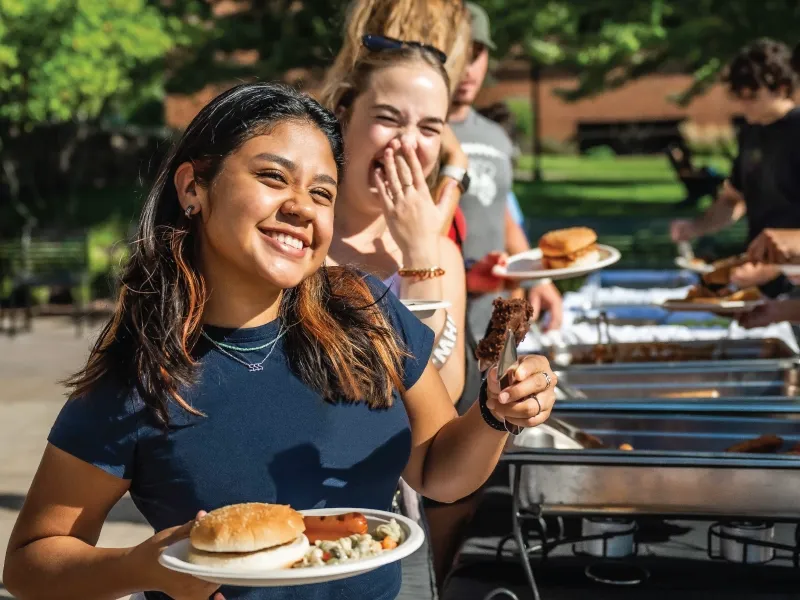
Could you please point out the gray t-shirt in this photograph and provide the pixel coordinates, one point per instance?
(491, 177)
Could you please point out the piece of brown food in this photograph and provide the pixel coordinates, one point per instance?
(587, 440)
(766, 444)
(746, 295)
(507, 314)
(794, 449)
(721, 275)
(702, 294)
(627, 447)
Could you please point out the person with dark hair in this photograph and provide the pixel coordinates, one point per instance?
(764, 184)
(238, 368)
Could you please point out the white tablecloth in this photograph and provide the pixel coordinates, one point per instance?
(590, 298)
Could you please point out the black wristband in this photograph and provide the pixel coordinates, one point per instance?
(487, 415)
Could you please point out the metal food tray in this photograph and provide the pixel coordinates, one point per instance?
(759, 386)
(678, 468)
(744, 352)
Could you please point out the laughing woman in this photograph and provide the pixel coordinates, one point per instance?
(238, 368)
(393, 107)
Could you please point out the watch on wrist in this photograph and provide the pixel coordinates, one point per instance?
(460, 174)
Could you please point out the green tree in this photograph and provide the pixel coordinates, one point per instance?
(64, 66)
(607, 43)
(284, 34)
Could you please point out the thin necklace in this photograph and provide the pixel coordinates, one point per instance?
(253, 367)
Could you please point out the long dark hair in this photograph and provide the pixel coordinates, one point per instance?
(338, 341)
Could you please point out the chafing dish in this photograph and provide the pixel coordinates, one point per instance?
(742, 352)
(685, 381)
(678, 467)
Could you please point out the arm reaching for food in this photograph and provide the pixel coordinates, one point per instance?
(726, 210)
(753, 275)
(773, 311)
(776, 246)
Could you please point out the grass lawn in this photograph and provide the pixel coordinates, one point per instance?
(629, 201)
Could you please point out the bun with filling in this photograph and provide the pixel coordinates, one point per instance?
(571, 247)
(249, 536)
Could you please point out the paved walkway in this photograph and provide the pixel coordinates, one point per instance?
(31, 364)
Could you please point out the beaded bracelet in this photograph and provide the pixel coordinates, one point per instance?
(429, 273)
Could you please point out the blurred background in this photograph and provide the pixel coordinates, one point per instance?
(595, 93)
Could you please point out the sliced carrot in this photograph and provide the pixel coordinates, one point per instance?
(388, 543)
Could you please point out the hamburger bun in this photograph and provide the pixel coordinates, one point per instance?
(563, 242)
(278, 557)
(582, 259)
(252, 535)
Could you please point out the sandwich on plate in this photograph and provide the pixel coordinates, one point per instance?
(251, 536)
(567, 248)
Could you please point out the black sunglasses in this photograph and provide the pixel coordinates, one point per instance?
(376, 43)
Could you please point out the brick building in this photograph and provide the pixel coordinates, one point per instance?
(638, 117)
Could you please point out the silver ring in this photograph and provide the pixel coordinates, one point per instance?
(547, 380)
(539, 404)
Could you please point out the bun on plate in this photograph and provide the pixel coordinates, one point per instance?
(571, 247)
(249, 536)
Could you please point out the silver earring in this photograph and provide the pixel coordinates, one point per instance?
(188, 211)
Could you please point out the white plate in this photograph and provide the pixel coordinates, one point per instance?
(174, 557)
(425, 308)
(528, 266)
(790, 270)
(734, 307)
(701, 267)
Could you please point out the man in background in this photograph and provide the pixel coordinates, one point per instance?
(491, 226)
(764, 184)
(491, 229)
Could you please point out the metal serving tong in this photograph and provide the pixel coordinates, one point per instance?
(685, 251)
(571, 437)
(508, 357)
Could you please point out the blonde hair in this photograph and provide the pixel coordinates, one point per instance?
(443, 24)
(339, 94)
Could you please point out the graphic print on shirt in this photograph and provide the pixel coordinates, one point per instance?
(483, 170)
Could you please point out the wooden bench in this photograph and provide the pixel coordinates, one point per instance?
(55, 261)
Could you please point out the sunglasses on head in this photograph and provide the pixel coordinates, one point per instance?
(377, 43)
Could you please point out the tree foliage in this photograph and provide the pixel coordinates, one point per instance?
(607, 43)
(285, 34)
(64, 66)
(68, 59)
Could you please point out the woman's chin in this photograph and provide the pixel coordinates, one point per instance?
(285, 276)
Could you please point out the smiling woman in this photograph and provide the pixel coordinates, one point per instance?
(237, 368)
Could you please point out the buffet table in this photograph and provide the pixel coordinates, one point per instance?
(659, 406)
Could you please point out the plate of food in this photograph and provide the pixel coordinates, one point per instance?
(562, 254)
(425, 308)
(720, 302)
(272, 545)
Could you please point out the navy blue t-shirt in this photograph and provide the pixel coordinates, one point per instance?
(266, 437)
